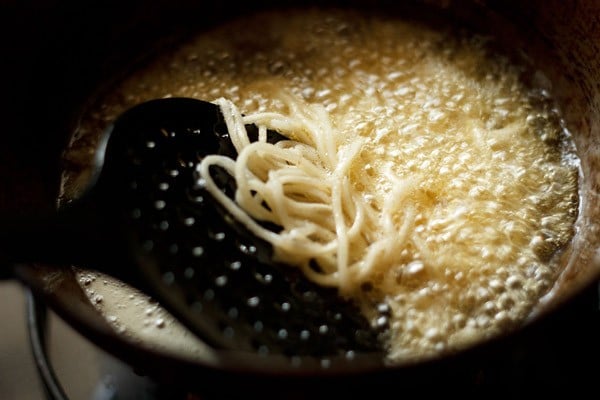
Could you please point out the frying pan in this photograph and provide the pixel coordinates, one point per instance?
(59, 55)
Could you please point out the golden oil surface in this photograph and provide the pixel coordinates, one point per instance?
(493, 175)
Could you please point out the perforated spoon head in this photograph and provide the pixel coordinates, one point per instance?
(193, 257)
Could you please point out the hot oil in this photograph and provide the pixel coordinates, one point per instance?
(489, 171)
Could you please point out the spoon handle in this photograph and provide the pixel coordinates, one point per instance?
(71, 236)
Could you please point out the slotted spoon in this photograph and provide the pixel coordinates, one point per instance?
(146, 220)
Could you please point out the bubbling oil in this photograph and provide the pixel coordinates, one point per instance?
(492, 172)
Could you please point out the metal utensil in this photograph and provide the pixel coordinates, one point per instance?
(146, 220)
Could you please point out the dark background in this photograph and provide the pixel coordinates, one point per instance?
(43, 78)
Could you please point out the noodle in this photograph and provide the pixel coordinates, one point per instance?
(300, 185)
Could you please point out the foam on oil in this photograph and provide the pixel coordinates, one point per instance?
(492, 175)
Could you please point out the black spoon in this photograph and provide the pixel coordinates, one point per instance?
(145, 220)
